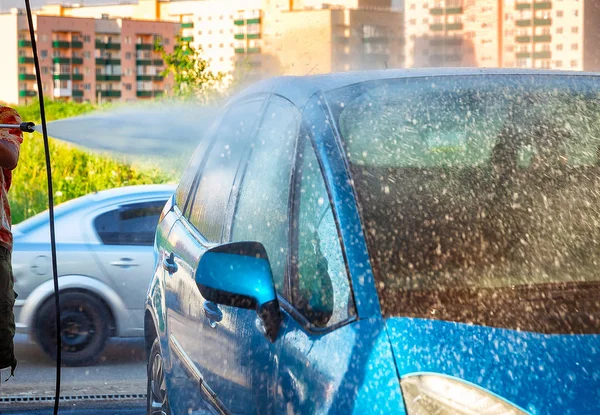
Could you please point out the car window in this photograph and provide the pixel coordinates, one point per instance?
(187, 179)
(262, 206)
(211, 197)
(132, 224)
(321, 288)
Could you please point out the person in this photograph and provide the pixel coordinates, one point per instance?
(10, 142)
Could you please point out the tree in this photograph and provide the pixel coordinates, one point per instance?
(192, 76)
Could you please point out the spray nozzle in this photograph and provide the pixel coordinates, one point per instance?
(26, 127)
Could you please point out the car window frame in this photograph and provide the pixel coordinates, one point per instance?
(189, 204)
(293, 206)
(232, 207)
(90, 218)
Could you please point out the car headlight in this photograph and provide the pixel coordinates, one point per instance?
(441, 395)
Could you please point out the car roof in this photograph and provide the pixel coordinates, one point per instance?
(129, 191)
(299, 89)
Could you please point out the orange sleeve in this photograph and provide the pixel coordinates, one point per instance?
(10, 116)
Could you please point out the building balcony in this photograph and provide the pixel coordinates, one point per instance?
(454, 26)
(144, 77)
(523, 22)
(436, 11)
(239, 36)
(77, 77)
(457, 41)
(159, 93)
(24, 43)
(62, 92)
(253, 36)
(144, 94)
(108, 45)
(436, 27)
(523, 6)
(542, 22)
(77, 61)
(109, 78)
(27, 93)
(76, 44)
(239, 50)
(144, 46)
(543, 5)
(256, 20)
(61, 44)
(106, 93)
(253, 50)
(542, 38)
(26, 77)
(143, 62)
(545, 54)
(158, 78)
(77, 93)
(61, 60)
(239, 22)
(25, 59)
(523, 55)
(187, 25)
(187, 39)
(62, 76)
(523, 39)
(158, 62)
(106, 61)
(439, 11)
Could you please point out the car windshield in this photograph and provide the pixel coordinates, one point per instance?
(479, 196)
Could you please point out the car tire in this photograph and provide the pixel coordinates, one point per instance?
(157, 402)
(84, 324)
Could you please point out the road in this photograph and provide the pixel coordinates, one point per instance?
(121, 371)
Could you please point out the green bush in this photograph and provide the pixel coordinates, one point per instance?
(75, 172)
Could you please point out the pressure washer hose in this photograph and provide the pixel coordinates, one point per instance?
(50, 202)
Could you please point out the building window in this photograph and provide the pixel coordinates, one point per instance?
(87, 54)
(167, 41)
(575, 29)
(559, 64)
(128, 40)
(87, 38)
(573, 64)
(210, 32)
(559, 13)
(128, 55)
(44, 54)
(221, 31)
(413, 6)
(221, 45)
(559, 47)
(104, 16)
(413, 21)
(210, 45)
(559, 30)
(87, 87)
(576, 13)
(200, 32)
(44, 38)
(128, 87)
(575, 46)
(221, 59)
(45, 70)
(425, 20)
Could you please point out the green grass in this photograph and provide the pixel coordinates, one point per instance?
(75, 172)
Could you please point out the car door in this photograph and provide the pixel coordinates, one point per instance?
(126, 235)
(201, 337)
(261, 214)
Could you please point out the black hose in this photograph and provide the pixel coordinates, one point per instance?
(38, 73)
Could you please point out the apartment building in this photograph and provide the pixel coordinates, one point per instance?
(452, 33)
(84, 59)
(258, 38)
(558, 34)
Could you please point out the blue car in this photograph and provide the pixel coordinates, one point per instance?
(406, 242)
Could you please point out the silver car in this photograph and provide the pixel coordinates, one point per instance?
(105, 259)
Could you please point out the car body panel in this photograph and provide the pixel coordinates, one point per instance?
(343, 371)
(544, 374)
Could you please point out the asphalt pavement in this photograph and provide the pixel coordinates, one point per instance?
(121, 371)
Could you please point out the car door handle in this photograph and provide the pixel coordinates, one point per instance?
(212, 313)
(169, 264)
(124, 263)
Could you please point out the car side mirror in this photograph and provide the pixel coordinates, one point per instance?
(238, 274)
